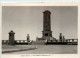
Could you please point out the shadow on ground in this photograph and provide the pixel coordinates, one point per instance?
(18, 50)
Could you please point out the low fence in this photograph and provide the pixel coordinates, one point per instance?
(25, 42)
(22, 42)
(5, 41)
(66, 42)
(19, 42)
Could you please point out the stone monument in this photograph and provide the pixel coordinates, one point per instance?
(47, 33)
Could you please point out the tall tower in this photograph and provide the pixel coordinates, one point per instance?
(11, 38)
(46, 25)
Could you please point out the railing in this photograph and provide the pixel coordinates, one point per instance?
(66, 42)
(5, 41)
(71, 40)
(17, 42)
(21, 41)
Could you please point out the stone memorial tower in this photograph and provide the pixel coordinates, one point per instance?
(11, 38)
(47, 33)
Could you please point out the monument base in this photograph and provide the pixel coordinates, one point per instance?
(40, 42)
(43, 40)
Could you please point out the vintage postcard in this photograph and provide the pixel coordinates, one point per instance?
(41, 29)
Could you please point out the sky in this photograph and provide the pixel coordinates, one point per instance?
(25, 20)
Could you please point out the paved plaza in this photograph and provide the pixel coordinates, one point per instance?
(39, 49)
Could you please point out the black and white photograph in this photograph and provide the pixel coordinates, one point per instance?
(39, 29)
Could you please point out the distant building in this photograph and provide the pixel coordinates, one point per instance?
(63, 39)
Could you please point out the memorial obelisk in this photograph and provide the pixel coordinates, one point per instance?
(47, 33)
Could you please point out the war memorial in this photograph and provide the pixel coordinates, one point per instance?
(47, 38)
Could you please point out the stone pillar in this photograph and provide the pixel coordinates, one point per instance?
(23, 41)
(72, 40)
(66, 40)
(69, 40)
(28, 38)
(60, 37)
(37, 38)
(63, 39)
(11, 38)
(77, 40)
